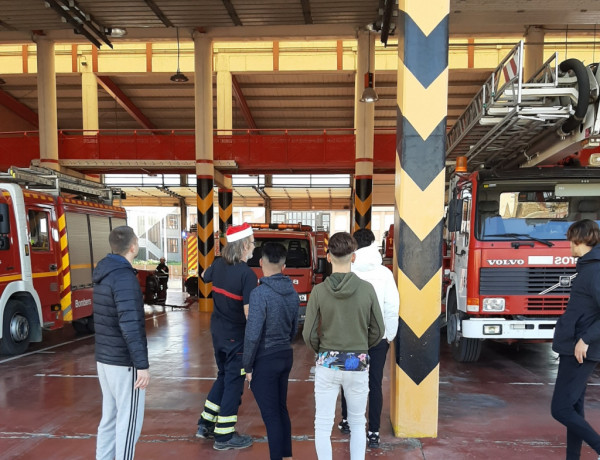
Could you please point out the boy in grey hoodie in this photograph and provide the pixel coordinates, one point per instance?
(268, 356)
(343, 320)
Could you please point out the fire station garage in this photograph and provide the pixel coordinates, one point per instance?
(463, 133)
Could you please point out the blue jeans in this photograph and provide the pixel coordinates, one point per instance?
(327, 387)
(270, 385)
(568, 401)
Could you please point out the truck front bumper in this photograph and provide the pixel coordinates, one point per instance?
(499, 329)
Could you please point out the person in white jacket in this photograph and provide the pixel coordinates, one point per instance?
(368, 267)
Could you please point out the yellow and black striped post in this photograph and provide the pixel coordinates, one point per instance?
(65, 268)
(205, 171)
(363, 198)
(420, 175)
(206, 239)
(364, 123)
(225, 212)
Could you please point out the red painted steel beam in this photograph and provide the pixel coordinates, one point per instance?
(18, 108)
(123, 100)
(174, 152)
(241, 100)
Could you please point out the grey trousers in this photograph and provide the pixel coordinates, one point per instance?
(122, 413)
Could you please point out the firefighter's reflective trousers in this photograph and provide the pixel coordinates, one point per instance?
(225, 396)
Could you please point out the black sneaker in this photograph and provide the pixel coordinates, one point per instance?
(344, 427)
(205, 431)
(237, 441)
(373, 440)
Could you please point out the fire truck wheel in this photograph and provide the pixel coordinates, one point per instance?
(16, 329)
(464, 350)
(84, 325)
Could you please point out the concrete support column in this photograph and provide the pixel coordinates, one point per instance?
(419, 209)
(534, 51)
(364, 124)
(47, 113)
(224, 96)
(225, 209)
(89, 101)
(224, 126)
(204, 163)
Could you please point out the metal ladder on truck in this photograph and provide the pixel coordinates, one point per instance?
(37, 178)
(508, 117)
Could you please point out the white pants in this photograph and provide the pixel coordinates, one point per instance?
(122, 413)
(356, 389)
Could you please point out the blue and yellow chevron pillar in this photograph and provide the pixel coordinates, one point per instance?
(419, 205)
(225, 209)
(204, 163)
(364, 124)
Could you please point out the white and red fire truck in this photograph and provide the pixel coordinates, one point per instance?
(306, 262)
(509, 265)
(49, 246)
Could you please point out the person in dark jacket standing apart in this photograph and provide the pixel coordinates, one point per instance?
(121, 348)
(577, 339)
(343, 321)
(232, 281)
(268, 355)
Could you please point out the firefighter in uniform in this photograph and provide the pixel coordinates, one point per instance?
(232, 282)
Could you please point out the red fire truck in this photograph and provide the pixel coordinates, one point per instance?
(510, 263)
(49, 245)
(306, 262)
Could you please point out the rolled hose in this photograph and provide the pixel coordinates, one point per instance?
(583, 99)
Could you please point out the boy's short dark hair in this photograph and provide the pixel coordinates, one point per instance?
(364, 237)
(120, 239)
(584, 231)
(341, 244)
(274, 253)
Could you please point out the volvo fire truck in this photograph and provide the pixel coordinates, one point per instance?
(509, 266)
(306, 262)
(53, 231)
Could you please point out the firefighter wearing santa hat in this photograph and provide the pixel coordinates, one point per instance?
(232, 281)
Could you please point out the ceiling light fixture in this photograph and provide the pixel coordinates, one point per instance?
(178, 77)
(369, 94)
(116, 32)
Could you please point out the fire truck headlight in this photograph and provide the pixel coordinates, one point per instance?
(494, 304)
(303, 297)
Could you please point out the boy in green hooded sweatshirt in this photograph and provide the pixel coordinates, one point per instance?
(343, 320)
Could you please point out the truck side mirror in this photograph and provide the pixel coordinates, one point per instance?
(455, 214)
(4, 227)
(321, 266)
(4, 219)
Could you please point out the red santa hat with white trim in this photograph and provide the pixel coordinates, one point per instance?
(238, 232)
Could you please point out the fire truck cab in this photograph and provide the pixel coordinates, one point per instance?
(306, 263)
(510, 264)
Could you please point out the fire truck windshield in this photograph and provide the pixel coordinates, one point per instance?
(298, 251)
(532, 211)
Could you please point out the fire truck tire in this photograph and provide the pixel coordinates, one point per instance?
(152, 289)
(464, 350)
(16, 329)
(84, 325)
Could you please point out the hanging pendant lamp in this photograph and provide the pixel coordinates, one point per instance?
(178, 77)
(369, 94)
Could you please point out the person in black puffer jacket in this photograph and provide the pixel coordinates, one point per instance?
(121, 347)
(577, 339)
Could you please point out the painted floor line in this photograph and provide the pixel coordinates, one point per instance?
(44, 350)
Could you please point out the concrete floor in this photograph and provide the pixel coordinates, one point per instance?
(50, 402)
